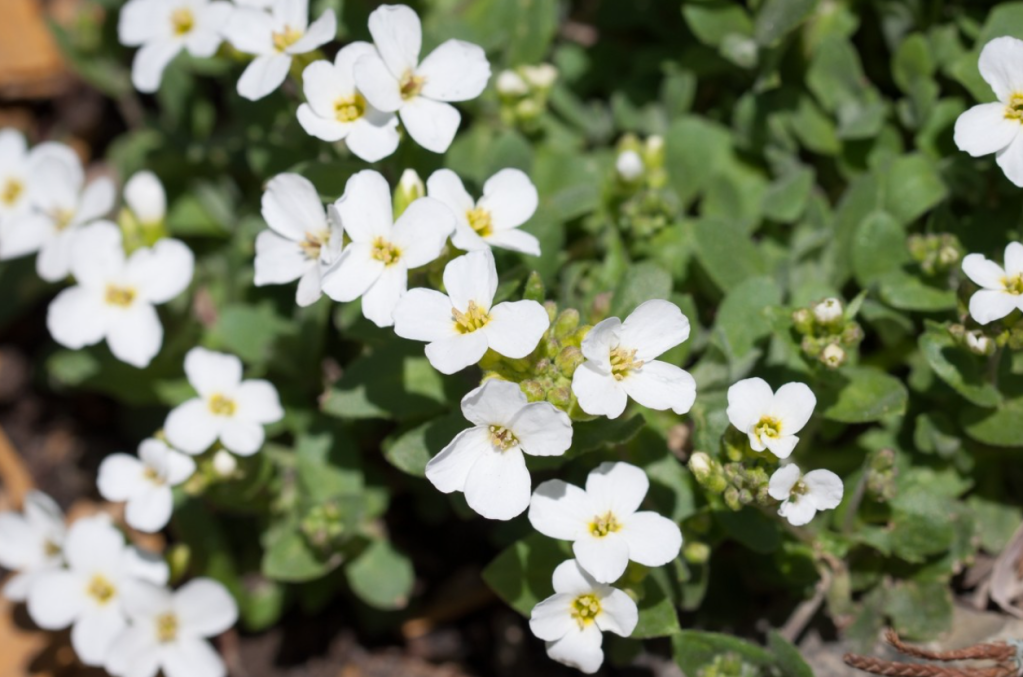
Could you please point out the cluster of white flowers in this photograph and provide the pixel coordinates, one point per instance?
(112, 595)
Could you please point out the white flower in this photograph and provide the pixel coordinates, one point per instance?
(162, 28)
(88, 594)
(60, 207)
(509, 200)
(144, 483)
(169, 629)
(31, 543)
(146, 198)
(1001, 288)
(336, 109)
(302, 241)
(461, 325)
(115, 297)
(629, 165)
(18, 172)
(228, 408)
(486, 462)
(604, 522)
(375, 265)
(771, 420)
(804, 495)
(828, 311)
(510, 83)
(620, 363)
(275, 37)
(572, 620)
(995, 127)
(395, 79)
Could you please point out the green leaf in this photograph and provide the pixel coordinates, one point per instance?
(752, 528)
(741, 322)
(289, 557)
(657, 614)
(642, 281)
(603, 432)
(999, 427)
(714, 20)
(413, 449)
(521, 574)
(879, 248)
(860, 395)
(920, 523)
(694, 650)
(920, 610)
(727, 253)
(837, 79)
(696, 149)
(786, 198)
(908, 292)
(327, 465)
(960, 369)
(787, 657)
(250, 331)
(381, 577)
(777, 18)
(913, 186)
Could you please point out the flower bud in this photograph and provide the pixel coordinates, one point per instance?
(629, 166)
(978, 343)
(527, 109)
(566, 323)
(700, 466)
(552, 310)
(510, 84)
(568, 360)
(852, 334)
(802, 320)
(224, 463)
(542, 76)
(833, 356)
(560, 397)
(828, 311)
(732, 499)
(534, 290)
(533, 390)
(410, 188)
(145, 197)
(696, 552)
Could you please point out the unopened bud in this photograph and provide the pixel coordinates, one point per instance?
(542, 76)
(696, 552)
(700, 466)
(560, 397)
(948, 256)
(533, 390)
(802, 320)
(510, 83)
(534, 289)
(629, 165)
(224, 463)
(568, 360)
(833, 356)
(828, 311)
(732, 499)
(146, 198)
(978, 343)
(566, 323)
(410, 188)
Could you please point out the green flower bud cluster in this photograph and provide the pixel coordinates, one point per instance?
(881, 474)
(523, 92)
(640, 164)
(323, 526)
(729, 665)
(979, 343)
(742, 480)
(647, 212)
(826, 333)
(937, 253)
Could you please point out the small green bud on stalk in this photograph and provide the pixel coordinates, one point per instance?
(568, 360)
(696, 552)
(534, 290)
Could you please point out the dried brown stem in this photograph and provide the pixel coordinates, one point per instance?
(878, 666)
(999, 652)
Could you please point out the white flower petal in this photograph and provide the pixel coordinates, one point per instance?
(599, 394)
(17, 586)
(150, 62)
(455, 71)
(163, 272)
(654, 327)
(291, 206)
(145, 565)
(365, 208)
(619, 613)
(205, 608)
(571, 579)
(94, 544)
(653, 540)
(987, 306)
(542, 429)
(98, 253)
(145, 196)
(579, 649)
(782, 481)
(498, 484)
(205, 38)
(472, 278)
(454, 353)
(798, 512)
(1001, 66)
(56, 599)
(825, 488)
(793, 406)
(466, 239)
(344, 64)
(560, 510)
(494, 403)
(659, 385)
(24, 234)
(432, 124)
(449, 468)
(1014, 259)
(56, 182)
(77, 318)
(353, 274)
(424, 315)
(510, 197)
(191, 427)
(444, 185)
(95, 632)
(293, 13)
(310, 287)
(96, 202)
(748, 401)
(135, 652)
(516, 327)
(19, 543)
(320, 32)
(516, 240)
(552, 619)
(422, 231)
(135, 334)
(781, 447)
(242, 437)
(120, 477)
(605, 558)
(257, 400)
(380, 300)
(53, 263)
(279, 260)
(151, 510)
(192, 657)
(985, 273)
(1010, 159)
(250, 31)
(210, 372)
(984, 129)
(599, 342)
(264, 75)
(380, 87)
(135, 24)
(325, 129)
(398, 36)
(374, 136)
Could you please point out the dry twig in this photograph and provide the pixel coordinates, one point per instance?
(1005, 655)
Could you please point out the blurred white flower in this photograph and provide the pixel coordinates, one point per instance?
(146, 198)
(604, 522)
(224, 463)
(275, 37)
(771, 420)
(620, 363)
(995, 127)
(60, 206)
(1001, 289)
(87, 595)
(115, 296)
(804, 495)
(462, 325)
(509, 200)
(629, 165)
(169, 630)
(228, 408)
(336, 109)
(162, 28)
(144, 483)
(18, 172)
(375, 265)
(395, 79)
(510, 83)
(541, 76)
(31, 543)
(302, 241)
(828, 311)
(486, 462)
(572, 620)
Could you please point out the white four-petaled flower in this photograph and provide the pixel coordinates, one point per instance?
(395, 80)
(19, 172)
(572, 621)
(995, 127)
(115, 296)
(770, 419)
(145, 483)
(228, 408)
(31, 543)
(486, 461)
(509, 200)
(1001, 288)
(604, 521)
(803, 495)
(162, 28)
(335, 109)
(169, 630)
(88, 594)
(620, 363)
(302, 241)
(461, 325)
(375, 265)
(275, 37)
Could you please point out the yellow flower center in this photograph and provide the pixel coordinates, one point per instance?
(623, 361)
(166, 628)
(472, 319)
(502, 438)
(222, 406)
(153, 476)
(605, 524)
(480, 221)
(585, 609)
(798, 489)
(411, 85)
(385, 251)
(1014, 284)
(767, 426)
(120, 296)
(313, 243)
(182, 21)
(286, 38)
(1014, 109)
(349, 108)
(62, 218)
(12, 190)
(51, 549)
(100, 589)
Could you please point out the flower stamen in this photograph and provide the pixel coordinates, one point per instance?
(349, 108)
(605, 524)
(11, 192)
(154, 476)
(502, 438)
(385, 251)
(623, 362)
(1014, 109)
(1014, 284)
(166, 628)
(472, 319)
(100, 589)
(222, 406)
(411, 85)
(480, 221)
(585, 609)
(313, 243)
(119, 296)
(286, 38)
(182, 21)
(767, 426)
